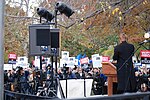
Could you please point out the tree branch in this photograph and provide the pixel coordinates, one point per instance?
(98, 11)
(137, 3)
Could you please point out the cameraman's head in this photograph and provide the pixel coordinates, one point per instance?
(49, 67)
(19, 70)
(66, 70)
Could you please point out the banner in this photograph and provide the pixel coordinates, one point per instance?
(105, 59)
(145, 56)
(84, 60)
(12, 56)
(75, 87)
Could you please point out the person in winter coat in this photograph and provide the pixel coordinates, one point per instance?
(125, 71)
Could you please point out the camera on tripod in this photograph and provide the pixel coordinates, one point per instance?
(44, 48)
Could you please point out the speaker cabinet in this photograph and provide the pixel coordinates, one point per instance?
(43, 37)
(43, 40)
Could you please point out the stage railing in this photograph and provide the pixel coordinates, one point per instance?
(9, 95)
(126, 96)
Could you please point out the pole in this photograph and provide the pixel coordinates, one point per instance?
(56, 17)
(84, 88)
(41, 72)
(2, 4)
(52, 73)
(56, 65)
(40, 62)
(56, 48)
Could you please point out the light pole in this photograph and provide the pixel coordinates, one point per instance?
(2, 4)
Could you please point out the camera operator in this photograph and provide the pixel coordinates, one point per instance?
(60, 73)
(67, 73)
(11, 79)
(6, 83)
(22, 81)
(37, 81)
(98, 82)
(80, 73)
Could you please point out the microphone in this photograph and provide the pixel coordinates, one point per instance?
(145, 41)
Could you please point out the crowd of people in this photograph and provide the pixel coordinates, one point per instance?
(143, 78)
(30, 79)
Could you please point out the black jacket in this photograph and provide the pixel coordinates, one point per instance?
(125, 71)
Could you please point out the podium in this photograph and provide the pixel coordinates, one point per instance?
(109, 70)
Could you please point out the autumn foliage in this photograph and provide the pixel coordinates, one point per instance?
(93, 28)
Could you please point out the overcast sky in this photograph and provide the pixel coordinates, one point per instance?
(32, 4)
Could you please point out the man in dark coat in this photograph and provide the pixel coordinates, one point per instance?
(125, 72)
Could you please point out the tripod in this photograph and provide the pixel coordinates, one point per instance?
(54, 83)
(51, 85)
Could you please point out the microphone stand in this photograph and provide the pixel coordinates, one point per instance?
(140, 44)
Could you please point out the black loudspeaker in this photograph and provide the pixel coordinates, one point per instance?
(42, 38)
(54, 39)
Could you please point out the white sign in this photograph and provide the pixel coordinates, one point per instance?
(71, 62)
(76, 61)
(8, 66)
(22, 62)
(37, 62)
(97, 61)
(95, 55)
(55, 64)
(61, 63)
(64, 54)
